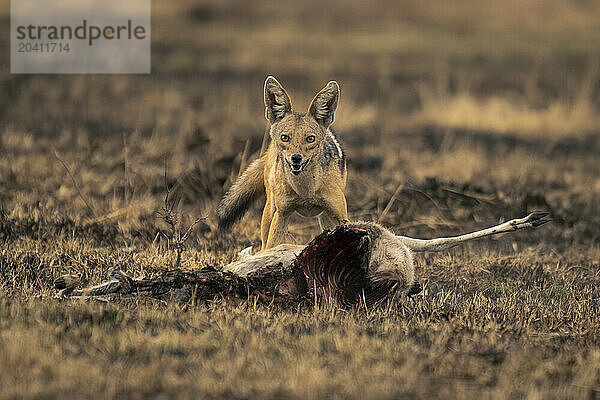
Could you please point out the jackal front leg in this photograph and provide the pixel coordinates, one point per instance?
(335, 209)
(278, 228)
(265, 223)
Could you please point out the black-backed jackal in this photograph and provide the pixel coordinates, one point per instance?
(303, 170)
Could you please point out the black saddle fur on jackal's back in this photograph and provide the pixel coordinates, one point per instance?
(337, 263)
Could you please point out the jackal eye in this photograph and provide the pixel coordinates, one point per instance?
(310, 138)
(284, 138)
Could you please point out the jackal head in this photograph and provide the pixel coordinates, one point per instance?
(299, 137)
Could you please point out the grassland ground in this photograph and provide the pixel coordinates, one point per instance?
(454, 116)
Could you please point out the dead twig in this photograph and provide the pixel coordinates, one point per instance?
(490, 198)
(265, 140)
(74, 182)
(175, 238)
(244, 158)
(390, 202)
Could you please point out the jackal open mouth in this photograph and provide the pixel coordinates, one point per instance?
(297, 168)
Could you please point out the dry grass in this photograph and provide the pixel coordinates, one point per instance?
(529, 116)
(465, 113)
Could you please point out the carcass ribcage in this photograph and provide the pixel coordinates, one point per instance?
(336, 263)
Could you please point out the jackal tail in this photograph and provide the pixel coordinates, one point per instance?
(247, 188)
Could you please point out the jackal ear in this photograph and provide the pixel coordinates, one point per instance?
(324, 104)
(277, 101)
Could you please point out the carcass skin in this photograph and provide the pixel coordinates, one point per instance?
(246, 265)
